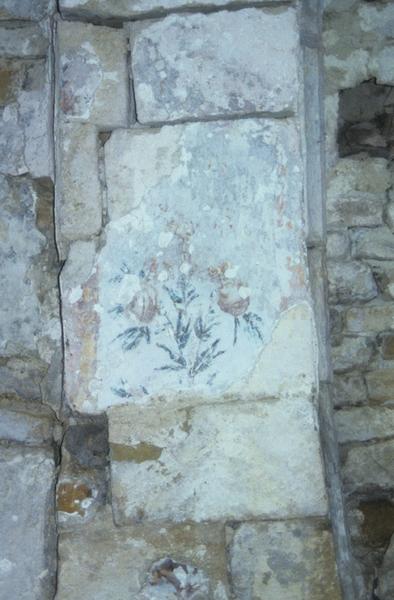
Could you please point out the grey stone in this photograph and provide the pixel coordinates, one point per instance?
(93, 84)
(364, 423)
(124, 9)
(386, 574)
(380, 384)
(349, 389)
(375, 243)
(283, 560)
(87, 442)
(25, 118)
(373, 318)
(149, 484)
(29, 316)
(28, 551)
(26, 9)
(225, 63)
(22, 41)
(102, 561)
(350, 282)
(338, 244)
(370, 467)
(384, 275)
(382, 64)
(22, 422)
(351, 353)
(389, 215)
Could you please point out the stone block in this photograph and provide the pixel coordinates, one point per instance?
(181, 465)
(386, 574)
(25, 118)
(370, 467)
(224, 63)
(23, 41)
(386, 345)
(338, 244)
(93, 84)
(373, 243)
(78, 191)
(349, 282)
(373, 318)
(26, 9)
(380, 386)
(356, 192)
(114, 9)
(175, 292)
(382, 65)
(364, 423)
(28, 551)
(384, 275)
(29, 327)
(26, 423)
(283, 560)
(102, 561)
(349, 389)
(351, 353)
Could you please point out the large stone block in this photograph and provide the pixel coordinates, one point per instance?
(181, 464)
(225, 63)
(283, 560)
(26, 9)
(349, 389)
(28, 550)
(25, 118)
(123, 9)
(374, 243)
(93, 79)
(369, 468)
(102, 561)
(174, 302)
(29, 316)
(364, 423)
(23, 422)
(24, 40)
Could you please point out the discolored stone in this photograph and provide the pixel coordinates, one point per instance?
(380, 386)
(274, 458)
(384, 276)
(224, 63)
(373, 318)
(286, 560)
(22, 422)
(364, 423)
(338, 244)
(350, 281)
(386, 574)
(386, 345)
(370, 467)
(26, 9)
(378, 522)
(376, 243)
(349, 389)
(24, 40)
(351, 353)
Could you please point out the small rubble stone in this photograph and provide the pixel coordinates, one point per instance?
(370, 467)
(26, 9)
(373, 243)
(368, 319)
(352, 353)
(386, 345)
(28, 551)
(102, 561)
(380, 386)
(350, 282)
(184, 67)
(349, 389)
(338, 244)
(365, 423)
(384, 276)
(23, 422)
(93, 87)
(22, 41)
(283, 560)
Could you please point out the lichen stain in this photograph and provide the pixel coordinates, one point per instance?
(142, 452)
(70, 497)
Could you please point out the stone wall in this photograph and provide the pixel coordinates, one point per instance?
(359, 51)
(166, 427)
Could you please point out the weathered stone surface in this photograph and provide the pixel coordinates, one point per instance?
(380, 386)
(357, 191)
(102, 561)
(349, 389)
(384, 275)
(350, 282)
(22, 422)
(23, 41)
(386, 574)
(93, 85)
(351, 353)
(382, 65)
(29, 316)
(283, 560)
(27, 554)
(78, 191)
(26, 9)
(364, 423)
(274, 458)
(173, 305)
(123, 9)
(25, 118)
(374, 243)
(338, 244)
(225, 63)
(386, 345)
(370, 319)
(370, 467)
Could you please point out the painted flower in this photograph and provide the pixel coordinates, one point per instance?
(234, 298)
(144, 304)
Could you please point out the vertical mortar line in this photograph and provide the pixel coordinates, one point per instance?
(133, 116)
(311, 32)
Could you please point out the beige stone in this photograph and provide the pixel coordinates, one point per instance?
(370, 467)
(372, 318)
(365, 423)
(380, 385)
(351, 353)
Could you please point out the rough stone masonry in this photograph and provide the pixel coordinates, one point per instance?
(166, 390)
